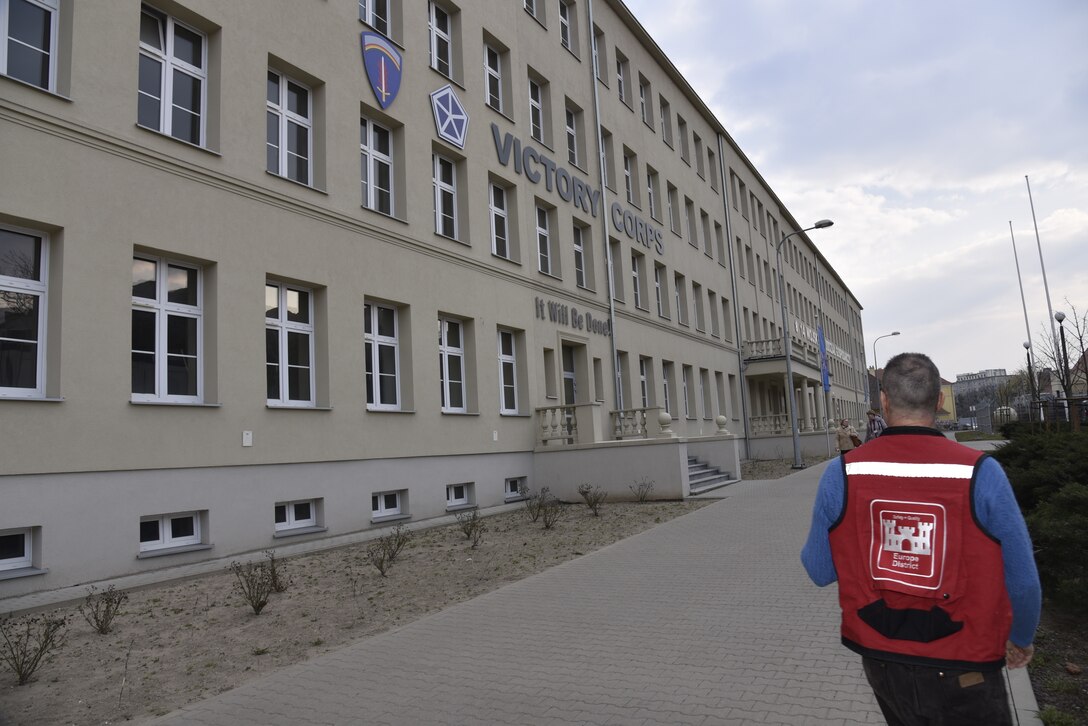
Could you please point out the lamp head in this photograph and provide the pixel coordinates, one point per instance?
(1059, 316)
(823, 223)
(895, 332)
(1027, 345)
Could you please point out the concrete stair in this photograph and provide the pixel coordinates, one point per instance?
(703, 477)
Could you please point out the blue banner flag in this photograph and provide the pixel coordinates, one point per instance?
(825, 374)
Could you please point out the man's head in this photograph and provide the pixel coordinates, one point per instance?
(911, 390)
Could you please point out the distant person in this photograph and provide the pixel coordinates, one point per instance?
(937, 582)
(847, 436)
(876, 425)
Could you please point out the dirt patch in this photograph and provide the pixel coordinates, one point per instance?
(774, 468)
(180, 642)
(1059, 670)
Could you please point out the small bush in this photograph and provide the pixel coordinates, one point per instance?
(551, 511)
(100, 608)
(1057, 529)
(28, 640)
(377, 554)
(254, 583)
(276, 572)
(594, 496)
(534, 502)
(642, 490)
(472, 526)
(396, 540)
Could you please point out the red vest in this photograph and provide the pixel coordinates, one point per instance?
(920, 581)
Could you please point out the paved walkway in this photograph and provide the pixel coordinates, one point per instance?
(706, 619)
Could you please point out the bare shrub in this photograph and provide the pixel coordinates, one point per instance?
(254, 584)
(396, 540)
(472, 526)
(277, 573)
(594, 496)
(377, 554)
(534, 502)
(100, 608)
(551, 511)
(28, 640)
(642, 489)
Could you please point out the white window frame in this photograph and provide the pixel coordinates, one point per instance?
(564, 25)
(530, 7)
(571, 119)
(437, 35)
(651, 198)
(644, 102)
(445, 190)
(508, 361)
(27, 560)
(291, 520)
(628, 177)
(515, 491)
(684, 383)
(38, 288)
(164, 310)
(465, 498)
(376, 342)
(53, 8)
(657, 290)
(666, 367)
(446, 353)
(536, 110)
(372, 160)
(493, 77)
(498, 211)
(169, 64)
(375, 13)
(578, 234)
(285, 117)
(543, 240)
(644, 381)
(636, 281)
(383, 509)
(168, 541)
(621, 76)
(284, 329)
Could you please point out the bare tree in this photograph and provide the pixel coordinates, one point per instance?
(1076, 343)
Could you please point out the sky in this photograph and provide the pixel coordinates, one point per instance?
(912, 125)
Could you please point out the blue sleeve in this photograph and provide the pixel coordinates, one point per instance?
(998, 512)
(816, 554)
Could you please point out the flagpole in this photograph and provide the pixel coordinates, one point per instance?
(1046, 288)
(1016, 259)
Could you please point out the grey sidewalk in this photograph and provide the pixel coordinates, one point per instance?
(706, 619)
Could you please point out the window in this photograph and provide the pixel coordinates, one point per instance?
(445, 196)
(645, 101)
(375, 13)
(666, 120)
(699, 156)
(697, 298)
(440, 26)
(566, 25)
(164, 531)
(573, 121)
(652, 193)
(638, 273)
(295, 515)
(28, 34)
(666, 375)
(672, 200)
(681, 294)
(660, 293)
(682, 132)
(708, 241)
(289, 345)
(600, 55)
(686, 391)
(629, 176)
(167, 326)
(530, 7)
(493, 78)
(508, 373)
(607, 170)
(173, 77)
(376, 163)
(500, 221)
(451, 362)
(385, 504)
(514, 487)
(458, 495)
(24, 256)
(712, 305)
(693, 229)
(381, 336)
(289, 141)
(577, 235)
(16, 549)
(536, 110)
(544, 240)
(621, 76)
(644, 380)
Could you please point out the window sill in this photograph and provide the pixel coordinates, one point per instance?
(297, 531)
(389, 518)
(39, 399)
(451, 79)
(460, 413)
(555, 277)
(511, 260)
(459, 507)
(289, 180)
(501, 112)
(175, 139)
(509, 414)
(183, 404)
(22, 571)
(370, 409)
(439, 235)
(39, 89)
(570, 50)
(284, 407)
(380, 213)
(518, 498)
(172, 551)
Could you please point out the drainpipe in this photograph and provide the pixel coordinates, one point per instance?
(736, 300)
(604, 204)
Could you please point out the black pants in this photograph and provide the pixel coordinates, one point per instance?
(911, 695)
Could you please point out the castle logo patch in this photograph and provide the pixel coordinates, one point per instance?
(908, 543)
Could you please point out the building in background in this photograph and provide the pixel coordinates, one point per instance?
(277, 272)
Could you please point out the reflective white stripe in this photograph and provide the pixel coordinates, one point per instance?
(912, 471)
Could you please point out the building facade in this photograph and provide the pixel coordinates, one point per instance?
(272, 271)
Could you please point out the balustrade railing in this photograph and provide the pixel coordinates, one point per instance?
(630, 423)
(558, 423)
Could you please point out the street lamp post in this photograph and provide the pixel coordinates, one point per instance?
(1064, 372)
(876, 403)
(1031, 382)
(786, 344)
